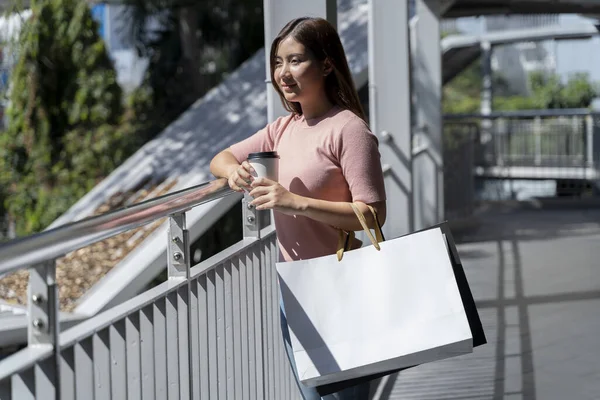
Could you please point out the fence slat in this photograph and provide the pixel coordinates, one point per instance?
(253, 326)
(173, 389)
(147, 352)
(204, 333)
(194, 340)
(45, 378)
(244, 331)
(268, 326)
(160, 348)
(84, 369)
(236, 328)
(228, 311)
(6, 389)
(280, 366)
(213, 360)
(258, 324)
(221, 353)
(134, 367)
(23, 385)
(183, 299)
(67, 373)
(101, 349)
(118, 358)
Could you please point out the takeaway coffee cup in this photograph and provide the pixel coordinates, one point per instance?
(265, 164)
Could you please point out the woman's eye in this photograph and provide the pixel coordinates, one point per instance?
(295, 61)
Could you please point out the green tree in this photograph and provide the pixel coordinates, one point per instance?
(463, 93)
(65, 109)
(191, 46)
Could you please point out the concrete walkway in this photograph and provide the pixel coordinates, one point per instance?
(535, 275)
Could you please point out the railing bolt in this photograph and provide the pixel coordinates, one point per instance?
(251, 219)
(37, 298)
(250, 206)
(177, 256)
(38, 323)
(175, 239)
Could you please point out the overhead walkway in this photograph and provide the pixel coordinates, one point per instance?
(179, 157)
(459, 51)
(467, 8)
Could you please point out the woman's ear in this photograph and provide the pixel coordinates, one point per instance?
(327, 67)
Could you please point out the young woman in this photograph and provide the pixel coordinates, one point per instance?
(328, 156)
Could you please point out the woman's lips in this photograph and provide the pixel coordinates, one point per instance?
(288, 88)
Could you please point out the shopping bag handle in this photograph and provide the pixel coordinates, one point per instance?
(345, 241)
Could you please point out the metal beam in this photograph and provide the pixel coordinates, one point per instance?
(277, 13)
(389, 104)
(580, 31)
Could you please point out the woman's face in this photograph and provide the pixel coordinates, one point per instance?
(299, 75)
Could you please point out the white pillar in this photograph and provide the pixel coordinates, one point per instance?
(277, 13)
(428, 168)
(389, 106)
(487, 96)
(486, 76)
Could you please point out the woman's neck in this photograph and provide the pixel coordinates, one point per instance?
(316, 109)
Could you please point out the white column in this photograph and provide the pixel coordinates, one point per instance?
(389, 106)
(487, 97)
(428, 166)
(486, 76)
(277, 13)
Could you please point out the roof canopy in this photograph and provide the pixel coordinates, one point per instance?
(463, 8)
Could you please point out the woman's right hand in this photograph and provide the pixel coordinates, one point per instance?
(240, 177)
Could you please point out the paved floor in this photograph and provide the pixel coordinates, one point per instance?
(535, 275)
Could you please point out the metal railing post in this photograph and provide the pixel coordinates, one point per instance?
(43, 327)
(178, 266)
(251, 222)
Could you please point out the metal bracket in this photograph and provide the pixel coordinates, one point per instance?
(178, 249)
(250, 219)
(43, 304)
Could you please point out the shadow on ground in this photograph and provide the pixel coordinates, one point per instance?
(535, 275)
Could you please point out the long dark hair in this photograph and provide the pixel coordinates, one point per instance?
(321, 38)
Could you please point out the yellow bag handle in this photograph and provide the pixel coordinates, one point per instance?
(344, 241)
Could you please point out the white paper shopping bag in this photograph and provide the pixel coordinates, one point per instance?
(375, 310)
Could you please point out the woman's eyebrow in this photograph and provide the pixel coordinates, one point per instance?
(289, 56)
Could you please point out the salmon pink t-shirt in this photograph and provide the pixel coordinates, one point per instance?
(334, 157)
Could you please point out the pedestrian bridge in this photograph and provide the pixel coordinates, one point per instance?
(211, 330)
(533, 145)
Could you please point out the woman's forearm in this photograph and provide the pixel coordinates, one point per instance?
(340, 214)
(223, 164)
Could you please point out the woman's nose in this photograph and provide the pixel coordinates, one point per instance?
(284, 70)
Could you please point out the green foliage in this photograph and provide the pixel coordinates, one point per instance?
(66, 127)
(514, 103)
(195, 46)
(463, 94)
(550, 92)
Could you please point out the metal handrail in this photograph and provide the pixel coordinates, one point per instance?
(31, 250)
(565, 112)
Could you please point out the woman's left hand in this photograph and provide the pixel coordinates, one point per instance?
(270, 195)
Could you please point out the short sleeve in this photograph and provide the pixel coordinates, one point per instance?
(263, 140)
(360, 160)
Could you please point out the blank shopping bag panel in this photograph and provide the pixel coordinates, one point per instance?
(374, 311)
